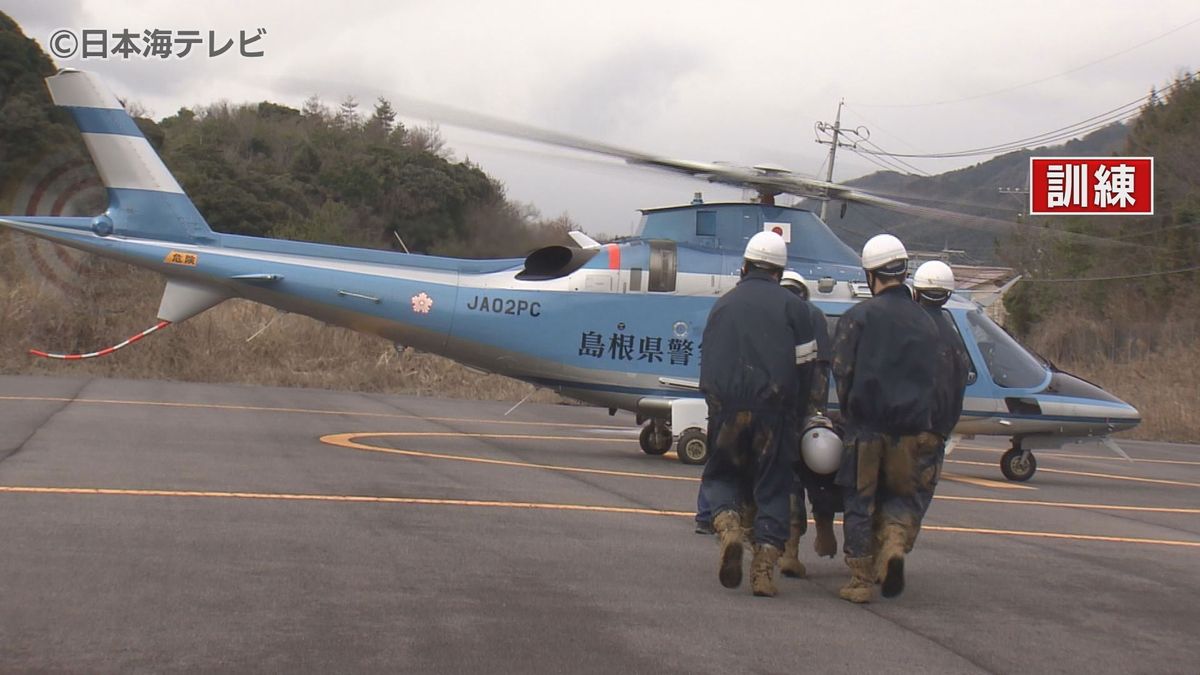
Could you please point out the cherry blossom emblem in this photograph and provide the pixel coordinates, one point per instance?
(422, 303)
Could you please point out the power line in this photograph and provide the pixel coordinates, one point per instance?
(878, 160)
(878, 151)
(1121, 113)
(1143, 275)
(1148, 232)
(1037, 81)
(1118, 114)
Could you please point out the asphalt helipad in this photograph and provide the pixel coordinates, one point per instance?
(153, 526)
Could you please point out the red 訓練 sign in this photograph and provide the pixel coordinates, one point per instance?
(1091, 185)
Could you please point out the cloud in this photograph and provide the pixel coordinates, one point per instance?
(622, 87)
(695, 79)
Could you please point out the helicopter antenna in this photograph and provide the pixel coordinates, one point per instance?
(397, 235)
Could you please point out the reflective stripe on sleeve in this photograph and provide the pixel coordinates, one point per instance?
(806, 352)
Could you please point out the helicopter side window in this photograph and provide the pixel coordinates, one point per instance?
(706, 223)
(663, 266)
(1010, 364)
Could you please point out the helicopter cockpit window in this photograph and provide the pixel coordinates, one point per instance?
(972, 374)
(1010, 364)
(663, 266)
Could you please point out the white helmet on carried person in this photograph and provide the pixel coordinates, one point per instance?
(795, 283)
(885, 255)
(767, 248)
(820, 445)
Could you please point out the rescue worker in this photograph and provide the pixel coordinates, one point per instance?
(886, 376)
(757, 356)
(823, 493)
(933, 283)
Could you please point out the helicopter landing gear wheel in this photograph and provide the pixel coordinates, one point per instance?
(692, 447)
(1018, 464)
(655, 438)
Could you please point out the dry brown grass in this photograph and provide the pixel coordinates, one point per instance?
(114, 301)
(1153, 365)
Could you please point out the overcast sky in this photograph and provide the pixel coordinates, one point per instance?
(739, 82)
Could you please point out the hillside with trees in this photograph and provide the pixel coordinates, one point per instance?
(331, 174)
(1124, 308)
(991, 188)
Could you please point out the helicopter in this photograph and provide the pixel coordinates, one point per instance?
(617, 325)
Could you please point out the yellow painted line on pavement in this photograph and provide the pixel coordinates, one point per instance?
(301, 411)
(1068, 505)
(347, 441)
(984, 482)
(1069, 455)
(1062, 535)
(545, 506)
(1103, 458)
(276, 496)
(1091, 474)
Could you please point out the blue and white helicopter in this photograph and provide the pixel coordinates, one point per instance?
(617, 325)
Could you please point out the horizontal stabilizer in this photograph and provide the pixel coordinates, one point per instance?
(184, 299)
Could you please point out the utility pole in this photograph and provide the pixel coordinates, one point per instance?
(1021, 192)
(835, 131)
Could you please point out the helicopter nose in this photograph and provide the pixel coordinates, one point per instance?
(1124, 416)
(1093, 402)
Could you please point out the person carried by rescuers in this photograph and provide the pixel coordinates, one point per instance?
(885, 364)
(758, 353)
(824, 495)
(933, 283)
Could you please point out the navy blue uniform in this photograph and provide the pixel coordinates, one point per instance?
(953, 369)
(756, 366)
(885, 362)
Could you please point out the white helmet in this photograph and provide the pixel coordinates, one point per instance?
(820, 446)
(883, 252)
(791, 278)
(934, 275)
(767, 248)
(794, 283)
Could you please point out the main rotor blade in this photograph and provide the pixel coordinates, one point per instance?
(710, 171)
(765, 181)
(983, 223)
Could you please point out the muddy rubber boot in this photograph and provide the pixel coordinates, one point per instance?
(729, 531)
(790, 563)
(862, 573)
(762, 569)
(826, 542)
(890, 560)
